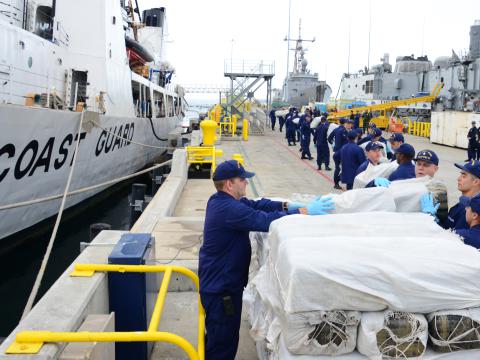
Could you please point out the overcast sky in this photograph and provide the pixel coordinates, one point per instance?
(201, 33)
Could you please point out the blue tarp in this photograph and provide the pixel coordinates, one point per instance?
(355, 104)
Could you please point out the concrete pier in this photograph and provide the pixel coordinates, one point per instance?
(175, 218)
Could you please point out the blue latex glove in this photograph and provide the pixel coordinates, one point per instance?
(427, 204)
(321, 206)
(381, 182)
(295, 206)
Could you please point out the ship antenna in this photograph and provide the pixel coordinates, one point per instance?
(369, 32)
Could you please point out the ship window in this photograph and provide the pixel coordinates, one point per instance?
(78, 89)
(171, 110)
(159, 104)
(369, 87)
(44, 22)
(136, 98)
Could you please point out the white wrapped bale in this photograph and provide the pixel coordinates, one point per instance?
(315, 122)
(453, 330)
(382, 170)
(281, 113)
(319, 263)
(321, 332)
(390, 334)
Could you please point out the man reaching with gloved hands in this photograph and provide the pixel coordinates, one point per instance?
(225, 254)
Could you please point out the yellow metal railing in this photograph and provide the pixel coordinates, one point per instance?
(30, 342)
(203, 155)
(419, 128)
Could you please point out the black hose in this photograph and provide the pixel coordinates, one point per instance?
(154, 133)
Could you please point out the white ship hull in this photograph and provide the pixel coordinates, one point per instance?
(36, 151)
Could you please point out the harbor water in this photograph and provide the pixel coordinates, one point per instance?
(20, 261)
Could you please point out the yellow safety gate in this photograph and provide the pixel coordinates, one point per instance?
(30, 342)
(203, 155)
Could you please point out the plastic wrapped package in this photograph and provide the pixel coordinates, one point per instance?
(331, 127)
(392, 335)
(296, 121)
(281, 113)
(319, 263)
(453, 330)
(321, 332)
(315, 122)
(382, 170)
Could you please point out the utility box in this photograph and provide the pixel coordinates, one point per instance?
(128, 293)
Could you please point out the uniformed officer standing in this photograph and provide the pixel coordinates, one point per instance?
(406, 170)
(396, 139)
(472, 137)
(339, 137)
(351, 156)
(374, 155)
(273, 119)
(323, 151)
(290, 127)
(306, 133)
(225, 254)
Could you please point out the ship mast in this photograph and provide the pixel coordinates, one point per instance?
(299, 66)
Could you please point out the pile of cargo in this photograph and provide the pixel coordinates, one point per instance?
(381, 285)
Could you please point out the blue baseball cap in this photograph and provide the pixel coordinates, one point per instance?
(372, 145)
(471, 167)
(359, 131)
(427, 156)
(231, 169)
(377, 132)
(406, 149)
(352, 134)
(342, 121)
(471, 202)
(397, 137)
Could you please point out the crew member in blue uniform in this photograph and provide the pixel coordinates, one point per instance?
(339, 138)
(290, 128)
(352, 156)
(273, 119)
(468, 182)
(321, 142)
(396, 139)
(406, 170)
(374, 154)
(472, 137)
(356, 121)
(471, 236)
(306, 133)
(225, 254)
(281, 122)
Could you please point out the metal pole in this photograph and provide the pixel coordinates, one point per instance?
(288, 50)
(369, 31)
(349, 32)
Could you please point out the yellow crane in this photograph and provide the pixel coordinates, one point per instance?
(385, 109)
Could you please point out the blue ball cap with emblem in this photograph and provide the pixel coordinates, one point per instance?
(372, 145)
(427, 156)
(471, 167)
(352, 134)
(377, 132)
(231, 169)
(471, 202)
(397, 137)
(406, 149)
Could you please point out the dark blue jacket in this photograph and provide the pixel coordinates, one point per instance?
(352, 156)
(225, 254)
(305, 130)
(470, 236)
(289, 124)
(404, 171)
(321, 134)
(272, 115)
(339, 135)
(456, 218)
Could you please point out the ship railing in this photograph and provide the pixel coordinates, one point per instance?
(61, 36)
(250, 67)
(31, 342)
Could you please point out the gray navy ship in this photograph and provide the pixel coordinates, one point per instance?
(301, 86)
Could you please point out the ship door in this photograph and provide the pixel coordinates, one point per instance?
(44, 22)
(78, 89)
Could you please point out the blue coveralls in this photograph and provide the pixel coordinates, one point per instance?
(456, 218)
(470, 236)
(356, 121)
(224, 260)
(297, 127)
(290, 129)
(323, 151)
(352, 156)
(404, 171)
(273, 119)
(472, 143)
(366, 139)
(340, 136)
(306, 132)
(281, 122)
